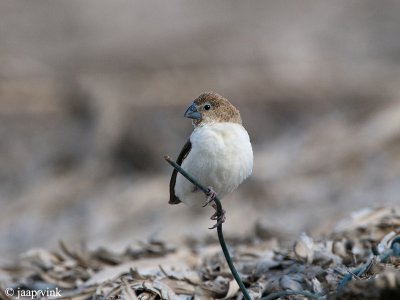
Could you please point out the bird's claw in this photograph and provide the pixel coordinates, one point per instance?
(215, 215)
(219, 218)
(211, 194)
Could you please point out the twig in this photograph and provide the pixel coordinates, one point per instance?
(219, 227)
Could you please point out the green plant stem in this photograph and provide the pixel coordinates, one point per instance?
(219, 227)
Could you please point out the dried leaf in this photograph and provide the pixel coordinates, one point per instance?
(154, 288)
(304, 248)
(60, 283)
(185, 274)
(127, 292)
(179, 287)
(384, 243)
(217, 288)
(41, 258)
(83, 261)
(233, 289)
(290, 283)
(107, 256)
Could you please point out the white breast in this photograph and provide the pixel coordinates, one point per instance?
(221, 157)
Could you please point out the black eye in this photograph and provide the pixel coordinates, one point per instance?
(207, 106)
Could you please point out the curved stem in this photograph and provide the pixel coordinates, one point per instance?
(219, 227)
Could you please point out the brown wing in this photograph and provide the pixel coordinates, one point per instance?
(173, 199)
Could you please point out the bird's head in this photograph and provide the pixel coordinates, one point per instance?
(212, 108)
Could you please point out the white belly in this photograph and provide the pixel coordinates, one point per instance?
(221, 157)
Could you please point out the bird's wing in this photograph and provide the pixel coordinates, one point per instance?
(173, 199)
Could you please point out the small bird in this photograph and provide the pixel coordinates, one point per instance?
(218, 153)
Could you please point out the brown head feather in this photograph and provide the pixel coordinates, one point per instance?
(219, 109)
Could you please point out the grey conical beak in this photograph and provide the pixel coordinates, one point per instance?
(192, 112)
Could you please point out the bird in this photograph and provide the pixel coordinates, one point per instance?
(218, 153)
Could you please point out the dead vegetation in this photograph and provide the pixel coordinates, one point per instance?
(159, 270)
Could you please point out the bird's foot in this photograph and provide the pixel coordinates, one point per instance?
(219, 218)
(211, 194)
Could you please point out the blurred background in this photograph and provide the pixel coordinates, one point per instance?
(92, 95)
